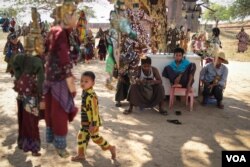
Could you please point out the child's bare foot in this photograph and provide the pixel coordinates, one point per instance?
(78, 158)
(113, 152)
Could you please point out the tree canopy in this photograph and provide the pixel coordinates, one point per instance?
(219, 13)
(240, 9)
(45, 5)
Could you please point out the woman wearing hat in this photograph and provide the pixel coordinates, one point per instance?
(59, 88)
(214, 77)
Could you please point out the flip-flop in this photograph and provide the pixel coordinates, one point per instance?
(78, 158)
(177, 112)
(174, 121)
(62, 153)
(163, 112)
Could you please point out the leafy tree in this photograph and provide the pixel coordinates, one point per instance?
(10, 12)
(218, 13)
(47, 5)
(241, 9)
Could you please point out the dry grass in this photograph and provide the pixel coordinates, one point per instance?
(3, 37)
(230, 45)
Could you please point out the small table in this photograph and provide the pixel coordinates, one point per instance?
(160, 61)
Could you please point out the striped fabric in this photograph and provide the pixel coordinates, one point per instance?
(90, 116)
(61, 93)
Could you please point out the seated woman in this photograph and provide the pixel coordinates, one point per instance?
(180, 72)
(147, 91)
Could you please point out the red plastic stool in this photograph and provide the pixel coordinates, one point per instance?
(178, 90)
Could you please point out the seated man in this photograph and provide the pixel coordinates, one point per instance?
(214, 77)
(147, 91)
(180, 72)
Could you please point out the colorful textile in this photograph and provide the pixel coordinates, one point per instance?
(83, 139)
(60, 92)
(60, 108)
(28, 133)
(89, 109)
(243, 38)
(110, 62)
(173, 36)
(82, 27)
(90, 116)
(58, 66)
(56, 120)
(29, 74)
(169, 73)
(12, 50)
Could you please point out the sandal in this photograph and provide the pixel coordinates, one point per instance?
(174, 121)
(177, 112)
(78, 158)
(126, 112)
(62, 153)
(163, 112)
(118, 104)
(36, 154)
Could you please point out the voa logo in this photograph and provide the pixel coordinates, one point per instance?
(236, 158)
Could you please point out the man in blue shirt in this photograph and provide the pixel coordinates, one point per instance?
(214, 77)
(180, 72)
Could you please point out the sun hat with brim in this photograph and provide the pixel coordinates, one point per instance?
(222, 56)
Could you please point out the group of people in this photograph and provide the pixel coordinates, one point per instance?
(147, 91)
(45, 85)
(7, 23)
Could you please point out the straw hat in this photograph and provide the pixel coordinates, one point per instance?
(222, 56)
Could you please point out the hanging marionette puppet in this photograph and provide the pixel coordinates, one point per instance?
(29, 77)
(82, 27)
(59, 86)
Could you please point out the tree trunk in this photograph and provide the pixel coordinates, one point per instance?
(216, 23)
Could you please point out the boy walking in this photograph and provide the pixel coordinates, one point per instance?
(90, 119)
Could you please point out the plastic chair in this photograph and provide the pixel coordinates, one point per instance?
(175, 90)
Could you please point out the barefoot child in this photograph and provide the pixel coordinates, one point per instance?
(90, 119)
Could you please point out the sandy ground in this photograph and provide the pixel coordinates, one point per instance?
(144, 138)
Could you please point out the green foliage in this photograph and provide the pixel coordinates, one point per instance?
(240, 8)
(221, 13)
(47, 5)
(10, 12)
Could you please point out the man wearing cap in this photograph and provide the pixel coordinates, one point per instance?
(214, 77)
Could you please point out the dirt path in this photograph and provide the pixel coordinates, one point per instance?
(144, 138)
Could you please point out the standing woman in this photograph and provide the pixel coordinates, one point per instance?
(29, 75)
(59, 87)
(102, 49)
(243, 38)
